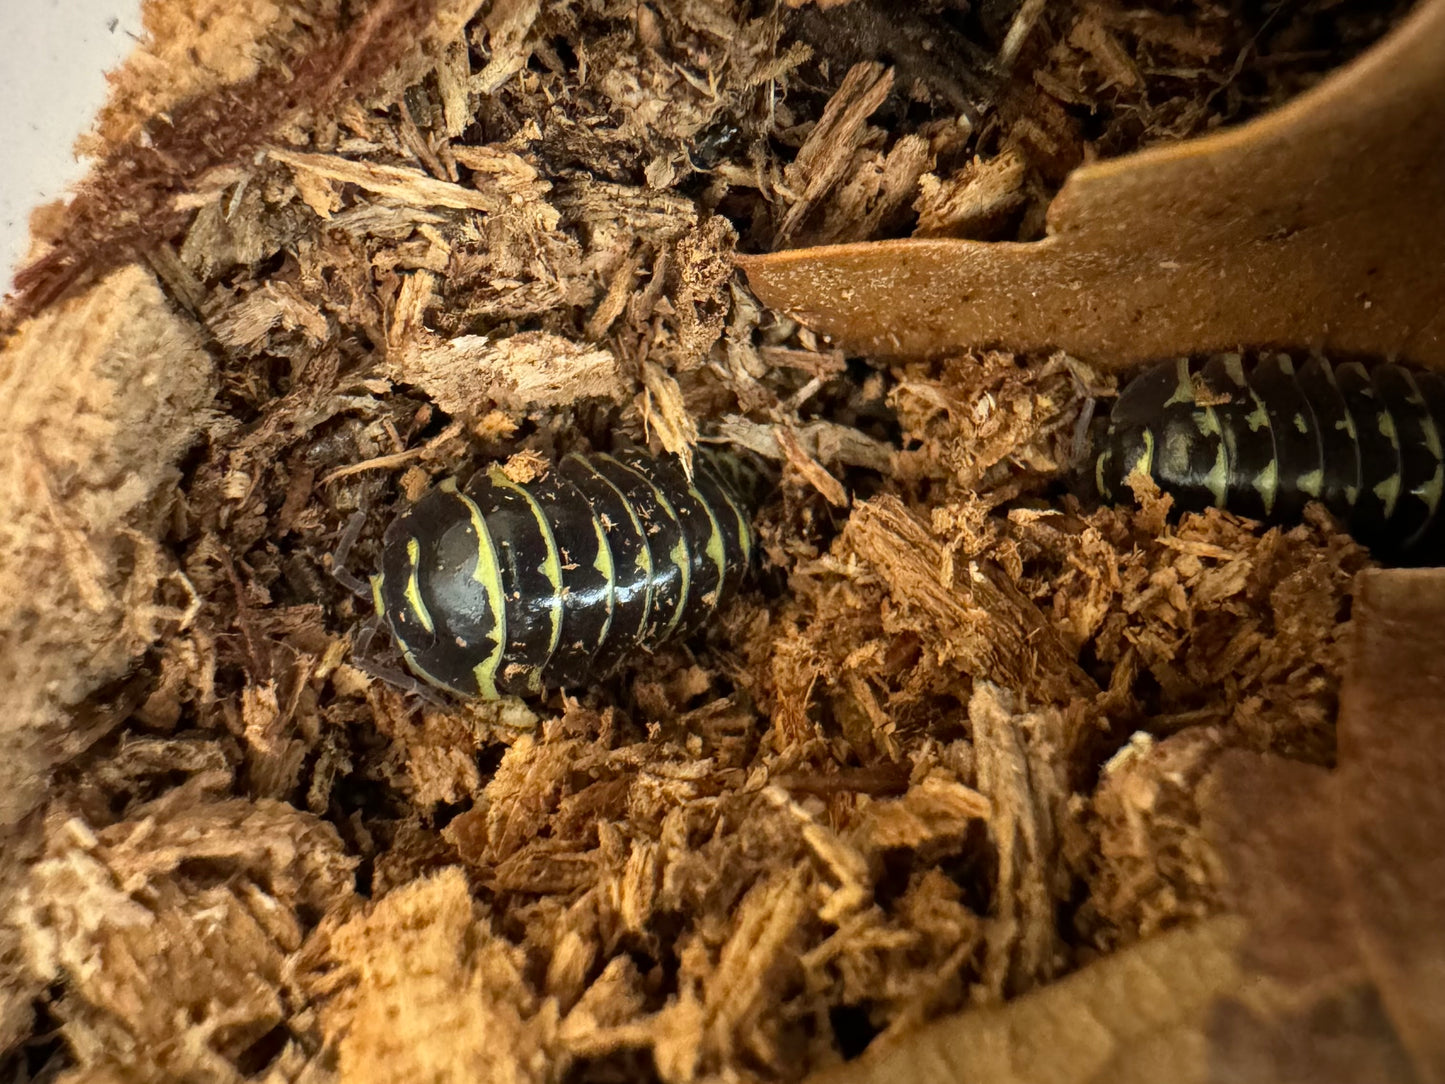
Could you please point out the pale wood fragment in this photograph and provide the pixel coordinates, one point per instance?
(400, 183)
(980, 618)
(99, 396)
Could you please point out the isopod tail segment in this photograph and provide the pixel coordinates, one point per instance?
(501, 588)
(1263, 436)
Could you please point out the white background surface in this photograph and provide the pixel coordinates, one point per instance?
(53, 59)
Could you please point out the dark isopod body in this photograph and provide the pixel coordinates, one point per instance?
(502, 588)
(1264, 438)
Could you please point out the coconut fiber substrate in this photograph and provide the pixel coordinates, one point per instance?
(975, 778)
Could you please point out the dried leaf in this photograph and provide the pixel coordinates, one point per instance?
(1348, 257)
(1139, 1015)
(1392, 744)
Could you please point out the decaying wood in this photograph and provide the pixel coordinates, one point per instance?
(1022, 766)
(809, 469)
(1330, 966)
(1149, 863)
(196, 902)
(128, 204)
(98, 399)
(470, 375)
(1150, 256)
(390, 982)
(979, 615)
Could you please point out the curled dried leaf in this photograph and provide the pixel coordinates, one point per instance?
(1350, 258)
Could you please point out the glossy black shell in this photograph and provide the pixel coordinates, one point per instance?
(506, 589)
(1264, 436)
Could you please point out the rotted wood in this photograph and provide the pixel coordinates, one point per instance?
(1331, 961)
(979, 616)
(1320, 225)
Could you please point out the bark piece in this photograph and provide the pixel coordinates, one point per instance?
(825, 157)
(98, 399)
(1020, 758)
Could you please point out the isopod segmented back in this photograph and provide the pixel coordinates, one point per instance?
(503, 588)
(1263, 436)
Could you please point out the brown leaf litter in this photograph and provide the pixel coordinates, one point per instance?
(962, 748)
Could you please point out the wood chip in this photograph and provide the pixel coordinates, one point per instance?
(824, 157)
(809, 469)
(469, 375)
(411, 187)
(1019, 650)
